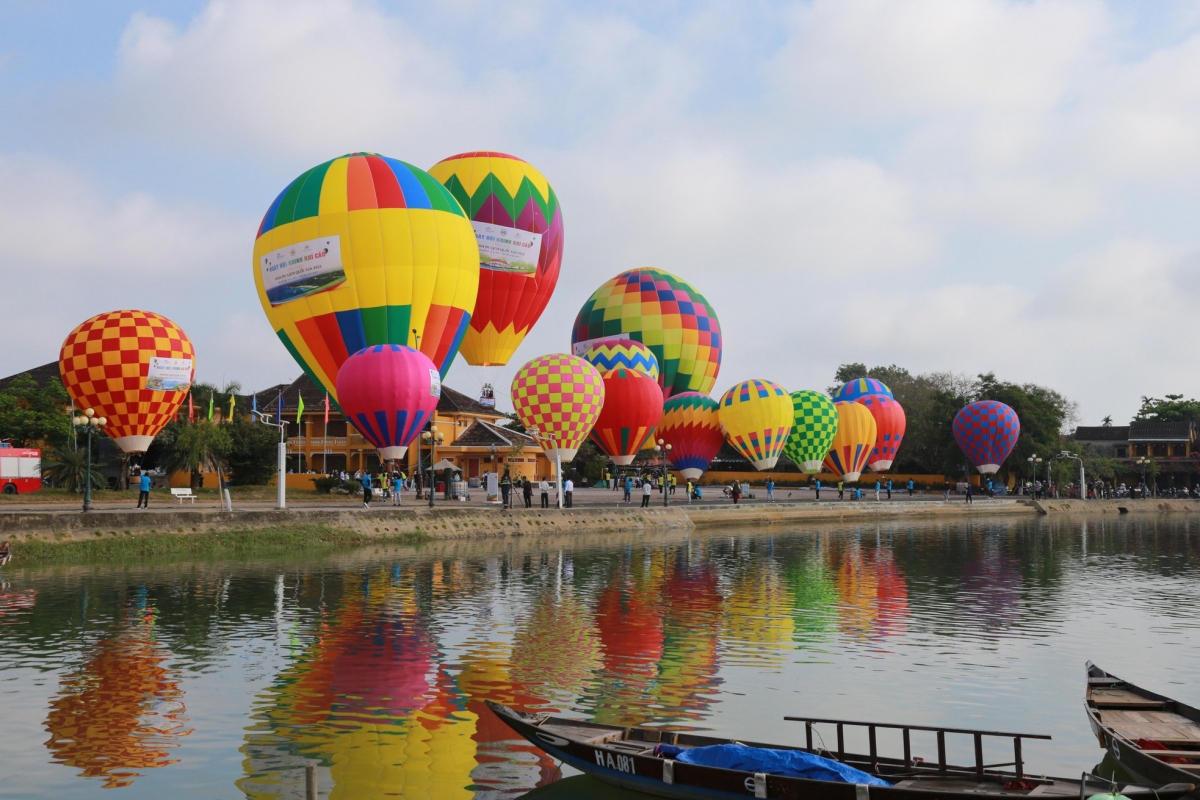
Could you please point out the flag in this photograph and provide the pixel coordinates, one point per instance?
(327, 408)
(279, 409)
(231, 401)
(300, 407)
(210, 402)
(191, 411)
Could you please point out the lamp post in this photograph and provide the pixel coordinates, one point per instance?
(434, 439)
(1082, 484)
(90, 422)
(540, 437)
(662, 448)
(1142, 462)
(1033, 465)
(281, 489)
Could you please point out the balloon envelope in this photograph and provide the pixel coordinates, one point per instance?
(860, 387)
(663, 312)
(627, 353)
(852, 445)
(757, 417)
(365, 250)
(133, 367)
(519, 226)
(633, 406)
(814, 424)
(690, 424)
(987, 431)
(890, 423)
(388, 392)
(558, 398)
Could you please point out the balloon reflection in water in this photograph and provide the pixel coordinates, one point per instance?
(814, 596)
(122, 710)
(758, 625)
(989, 594)
(873, 594)
(692, 604)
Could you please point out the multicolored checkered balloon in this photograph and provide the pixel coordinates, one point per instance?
(814, 424)
(691, 426)
(607, 356)
(105, 365)
(850, 391)
(757, 417)
(558, 399)
(663, 312)
(987, 431)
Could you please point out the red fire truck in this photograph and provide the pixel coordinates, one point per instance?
(20, 469)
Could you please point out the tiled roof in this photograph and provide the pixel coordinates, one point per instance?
(1160, 432)
(485, 434)
(41, 375)
(1102, 433)
(451, 401)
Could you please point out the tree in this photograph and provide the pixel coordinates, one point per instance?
(1106, 422)
(197, 448)
(33, 416)
(66, 467)
(253, 453)
(1172, 408)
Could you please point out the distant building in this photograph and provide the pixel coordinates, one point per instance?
(1171, 445)
(1109, 441)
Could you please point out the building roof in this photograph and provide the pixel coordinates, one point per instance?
(450, 402)
(1102, 433)
(1160, 432)
(42, 375)
(484, 434)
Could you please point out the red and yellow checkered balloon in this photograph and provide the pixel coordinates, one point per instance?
(558, 399)
(105, 364)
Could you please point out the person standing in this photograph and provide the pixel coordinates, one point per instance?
(841, 490)
(736, 492)
(946, 491)
(397, 486)
(568, 493)
(506, 489)
(544, 487)
(968, 499)
(144, 490)
(876, 490)
(628, 498)
(818, 490)
(690, 489)
(646, 490)
(672, 479)
(889, 489)
(366, 484)
(770, 489)
(910, 487)
(527, 492)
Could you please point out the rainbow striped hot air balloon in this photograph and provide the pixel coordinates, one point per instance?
(633, 406)
(388, 392)
(757, 417)
(814, 424)
(987, 431)
(852, 445)
(690, 424)
(890, 423)
(663, 312)
(860, 387)
(365, 250)
(609, 355)
(558, 398)
(519, 227)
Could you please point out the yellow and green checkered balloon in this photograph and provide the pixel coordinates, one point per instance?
(816, 423)
(558, 399)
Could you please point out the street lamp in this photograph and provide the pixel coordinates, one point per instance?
(1142, 462)
(1082, 484)
(434, 439)
(539, 437)
(281, 489)
(1033, 465)
(90, 422)
(663, 449)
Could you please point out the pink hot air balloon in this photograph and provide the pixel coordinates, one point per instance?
(388, 392)
(890, 423)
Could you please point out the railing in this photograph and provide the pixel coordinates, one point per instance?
(942, 767)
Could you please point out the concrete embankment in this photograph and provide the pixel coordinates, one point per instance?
(1126, 506)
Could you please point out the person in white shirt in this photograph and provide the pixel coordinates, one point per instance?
(544, 486)
(568, 490)
(646, 489)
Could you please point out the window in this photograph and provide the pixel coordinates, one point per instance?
(1160, 451)
(1122, 451)
(1139, 449)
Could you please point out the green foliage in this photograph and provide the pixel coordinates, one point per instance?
(66, 467)
(325, 484)
(33, 416)
(198, 448)
(1172, 408)
(253, 452)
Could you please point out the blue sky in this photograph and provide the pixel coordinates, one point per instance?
(957, 185)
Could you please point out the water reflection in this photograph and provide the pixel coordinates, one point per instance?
(376, 664)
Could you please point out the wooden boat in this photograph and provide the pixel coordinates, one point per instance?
(1153, 737)
(626, 757)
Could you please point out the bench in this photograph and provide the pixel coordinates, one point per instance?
(183, 494)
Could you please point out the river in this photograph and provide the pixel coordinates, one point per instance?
(218, 679)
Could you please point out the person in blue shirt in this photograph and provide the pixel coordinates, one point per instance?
(818, 490)
(889, 490)
(876, 491)
(366, 484)
(910, 487)
(770, 490)
(144, 491)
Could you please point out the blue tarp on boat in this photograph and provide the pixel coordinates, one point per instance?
(794, 763)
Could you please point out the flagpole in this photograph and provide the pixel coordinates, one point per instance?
(325, 438)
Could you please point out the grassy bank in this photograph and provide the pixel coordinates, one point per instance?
(300, 539)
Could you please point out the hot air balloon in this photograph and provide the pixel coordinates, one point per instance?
(365, 250)
(691, 426)
(134, 368)
(633, 406)
(987, 432)
(519, 229)
(757, 417)
(664, 313)
(558, 398)
(388, 392)
(814, 424)
(889, 429)
(606, 356)
(860, 387)
(852, 445)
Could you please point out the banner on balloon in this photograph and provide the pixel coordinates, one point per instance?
(579, 348)
(507, 249)
(435, 383)
(303, 268)
(169, 374)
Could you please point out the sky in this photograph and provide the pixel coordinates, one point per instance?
(947, 185)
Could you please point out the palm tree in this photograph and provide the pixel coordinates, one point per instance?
(66, 467)
(198, 448)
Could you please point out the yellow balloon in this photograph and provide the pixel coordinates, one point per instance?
(757, 418)
(852, 445)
